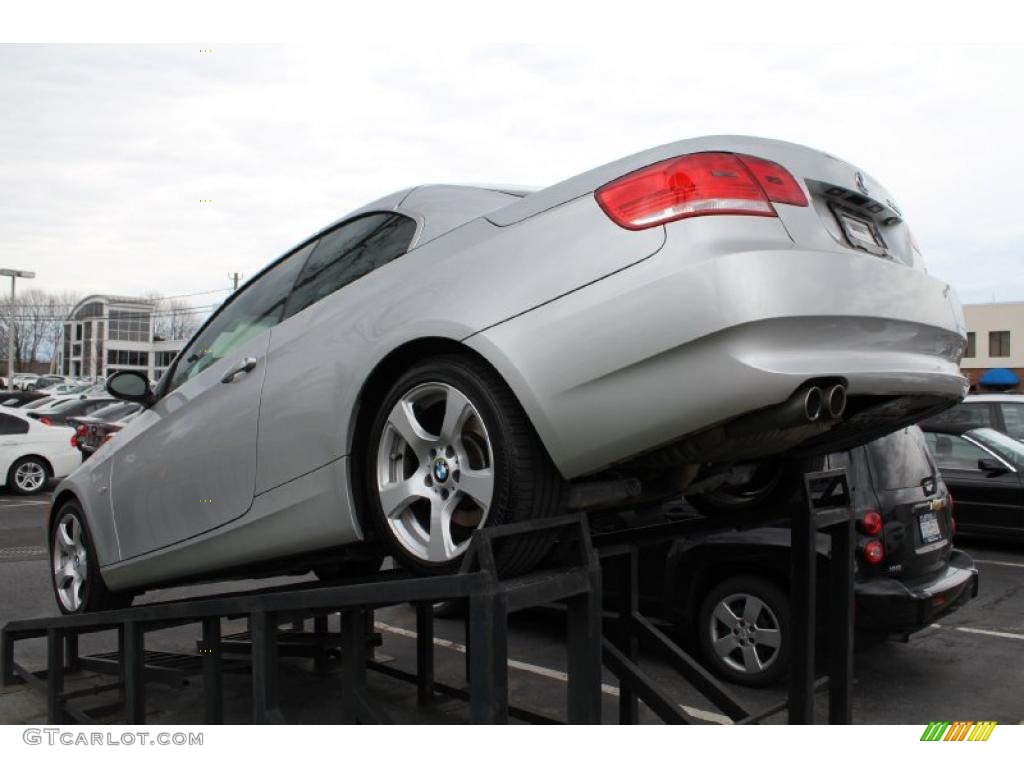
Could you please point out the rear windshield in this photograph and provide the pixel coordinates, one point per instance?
(900, 460)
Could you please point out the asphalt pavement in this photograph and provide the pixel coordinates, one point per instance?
(966, 667)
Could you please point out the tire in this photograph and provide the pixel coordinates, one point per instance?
(484, 467)
(758, 658)
(28, 475)
(72, 556)
(775, 482)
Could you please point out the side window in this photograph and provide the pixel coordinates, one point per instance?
(953, 452)
(1013, 415)
(260, 306)
(12, 425)
(349, 252)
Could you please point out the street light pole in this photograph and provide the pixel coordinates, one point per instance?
(13, 274)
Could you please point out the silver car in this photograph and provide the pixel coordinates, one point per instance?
(691, 319)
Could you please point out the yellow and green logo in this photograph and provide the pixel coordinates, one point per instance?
(961, 730)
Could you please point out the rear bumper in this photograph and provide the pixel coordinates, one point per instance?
(893, 606)
(689, 339)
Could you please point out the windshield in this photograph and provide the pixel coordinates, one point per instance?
(900, 460)
(1005, 446)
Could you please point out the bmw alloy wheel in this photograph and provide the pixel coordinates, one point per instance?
(70, 562)
(30, 476)
(435, 472)
(746, 635)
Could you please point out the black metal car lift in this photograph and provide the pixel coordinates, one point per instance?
(573, 578)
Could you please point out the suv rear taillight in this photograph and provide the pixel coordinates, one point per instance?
(702, 184)
(871, 523)
(874, 552)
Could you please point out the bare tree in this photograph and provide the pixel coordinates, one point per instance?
(173, 319)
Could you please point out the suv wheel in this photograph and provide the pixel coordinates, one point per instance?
(744, 628)
(449, 453)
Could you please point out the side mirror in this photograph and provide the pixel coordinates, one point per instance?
(131, 386)
(992, 467)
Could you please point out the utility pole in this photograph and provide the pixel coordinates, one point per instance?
(13, 274)
(236, 277)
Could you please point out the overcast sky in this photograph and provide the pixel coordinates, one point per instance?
(107, 151)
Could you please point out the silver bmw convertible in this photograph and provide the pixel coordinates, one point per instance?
(700, 318)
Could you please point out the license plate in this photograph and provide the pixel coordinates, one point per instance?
(860, 232)
(929, 525)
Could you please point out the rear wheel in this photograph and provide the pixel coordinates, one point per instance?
(744, 628)
(28, 475)
(449, 453)
(77, 583)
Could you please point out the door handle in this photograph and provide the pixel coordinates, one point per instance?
(247, 364)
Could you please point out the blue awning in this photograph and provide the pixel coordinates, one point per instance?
(999, 377)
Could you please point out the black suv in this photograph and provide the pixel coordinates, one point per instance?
(907, 572)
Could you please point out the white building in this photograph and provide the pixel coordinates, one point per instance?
(995, 338)
(106, 334)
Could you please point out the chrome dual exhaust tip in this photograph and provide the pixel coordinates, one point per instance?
(836, 401)
(812, 403)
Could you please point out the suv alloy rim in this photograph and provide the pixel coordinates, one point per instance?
(745, 633)
(30, 476)
(435, 472)
(70, 562)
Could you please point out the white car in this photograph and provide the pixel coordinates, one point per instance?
(62, 389)
(31, 453)
(22, 380)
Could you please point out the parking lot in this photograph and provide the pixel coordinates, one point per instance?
(967, 667)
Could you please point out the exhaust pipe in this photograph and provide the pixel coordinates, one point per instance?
(812, 403)
(836, 399)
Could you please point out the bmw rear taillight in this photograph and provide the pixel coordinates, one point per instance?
(871, 523)
(702, 184)
(46, 421)
(874, 552)
(74, 441)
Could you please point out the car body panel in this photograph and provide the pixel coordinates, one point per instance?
(200, 442)
(304, 515)
(735, 332)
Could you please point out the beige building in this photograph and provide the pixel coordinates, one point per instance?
(995, 338)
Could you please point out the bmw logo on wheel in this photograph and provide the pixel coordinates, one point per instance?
(441, 470)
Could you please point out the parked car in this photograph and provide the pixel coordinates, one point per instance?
(15, 398)
(96, 429)
(60, 411)
(471, 356)
(727, 593)
(43, 382)
(1000, 411)
(983, 470)
(61, 389)
(31, 453)
(23, 380)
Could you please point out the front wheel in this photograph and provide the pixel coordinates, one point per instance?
(77, 583)
(450, 452)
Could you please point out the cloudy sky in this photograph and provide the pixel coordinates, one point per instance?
(106, 152)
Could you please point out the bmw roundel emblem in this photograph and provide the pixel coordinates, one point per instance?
(861, 184)
(441, 470)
